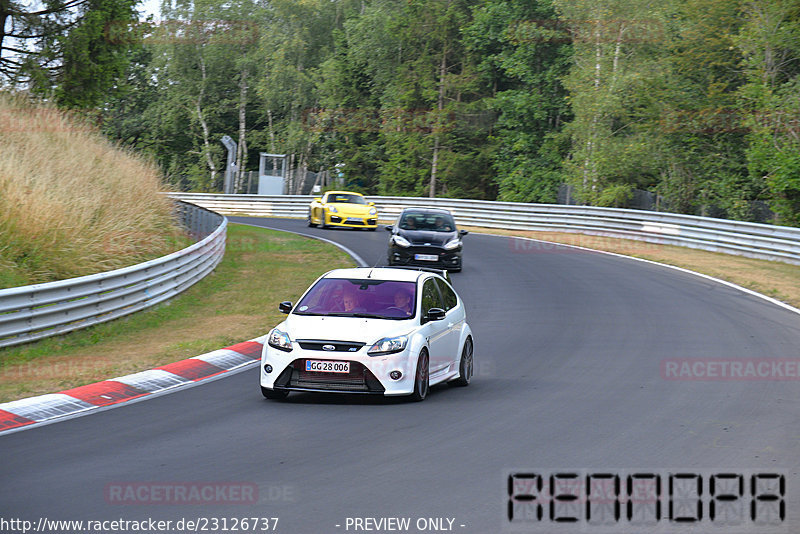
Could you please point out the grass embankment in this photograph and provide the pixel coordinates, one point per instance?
(238, 301)
(778, 280)
(72, 203)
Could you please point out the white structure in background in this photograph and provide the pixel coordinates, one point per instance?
(271, 174)
(230, 168)
(338, 176)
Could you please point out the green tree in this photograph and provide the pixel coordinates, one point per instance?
(616, 62)
(292, 53)
(700, 133)
(200, 68)
(29, 37)
(92, 60)
(410, 68)
(64, 49)
(770, 42)
(522, 58)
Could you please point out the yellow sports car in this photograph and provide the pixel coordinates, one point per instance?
(343, 208)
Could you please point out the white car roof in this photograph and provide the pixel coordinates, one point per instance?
(377, 273)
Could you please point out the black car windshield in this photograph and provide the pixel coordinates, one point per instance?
(342, 297)
(431, 222)
(345, 198)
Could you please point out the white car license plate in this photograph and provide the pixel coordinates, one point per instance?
(355, 219)
(426, 257)
(327, 366)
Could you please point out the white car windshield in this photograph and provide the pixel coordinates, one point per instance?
(341, 297)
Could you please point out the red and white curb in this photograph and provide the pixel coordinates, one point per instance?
(69, 403)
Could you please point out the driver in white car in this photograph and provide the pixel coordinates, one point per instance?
(402, 300)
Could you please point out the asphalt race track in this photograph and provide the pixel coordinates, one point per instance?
(571, 349)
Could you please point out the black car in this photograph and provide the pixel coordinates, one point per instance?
(426, 236)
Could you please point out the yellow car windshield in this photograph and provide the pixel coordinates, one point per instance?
(344, 198)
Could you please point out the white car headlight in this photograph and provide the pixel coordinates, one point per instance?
(388, 345)
(452, 244)
(333, 209)
(279, 340)
(401, 241)
(373, 211)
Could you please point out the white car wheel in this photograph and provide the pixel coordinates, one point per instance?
(465, 368)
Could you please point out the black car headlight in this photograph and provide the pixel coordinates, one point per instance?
(401, 241)
(452, 244)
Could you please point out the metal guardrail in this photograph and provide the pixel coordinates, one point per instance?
(763, 241)
(37, 311)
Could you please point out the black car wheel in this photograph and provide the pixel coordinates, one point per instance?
(422, 380)
(309, 219)
(273, 394)
(322, 220)
(466, 366)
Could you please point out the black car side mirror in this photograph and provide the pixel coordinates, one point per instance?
(389, 227)
(435, 314)
(462, 233)
(285, 306)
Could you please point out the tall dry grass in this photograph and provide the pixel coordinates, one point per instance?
(72, 203)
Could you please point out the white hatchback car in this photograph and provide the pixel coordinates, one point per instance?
(385, 331)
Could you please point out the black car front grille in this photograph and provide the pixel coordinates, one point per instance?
(407, 256)
(418, 248)
(358, 380)
(321, 344)
(332, 382)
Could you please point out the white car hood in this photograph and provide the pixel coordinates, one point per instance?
(343, 328)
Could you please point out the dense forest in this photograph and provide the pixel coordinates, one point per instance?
(695, 100)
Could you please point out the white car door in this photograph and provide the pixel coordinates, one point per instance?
(454, 321)
(436, 332)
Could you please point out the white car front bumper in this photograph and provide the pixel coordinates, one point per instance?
(367, 374)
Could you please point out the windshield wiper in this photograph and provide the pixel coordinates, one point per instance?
(351, 314)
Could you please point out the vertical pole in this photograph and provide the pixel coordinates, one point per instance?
(230, 144)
